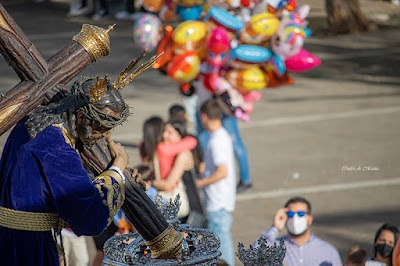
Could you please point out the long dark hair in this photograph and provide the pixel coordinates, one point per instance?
(153, 129)
(390, 228)
(180, 127)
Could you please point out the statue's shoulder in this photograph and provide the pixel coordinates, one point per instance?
(54, 136)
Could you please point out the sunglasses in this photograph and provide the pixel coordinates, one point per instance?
(290, 214)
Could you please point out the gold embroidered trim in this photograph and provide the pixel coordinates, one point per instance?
(112, 193)
(30, 221)
(67, 136)
(167, 245)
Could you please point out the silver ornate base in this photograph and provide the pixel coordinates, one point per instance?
(200, 246)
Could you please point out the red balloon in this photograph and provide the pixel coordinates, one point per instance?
(302, 61)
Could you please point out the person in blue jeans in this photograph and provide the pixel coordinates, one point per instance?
(230, 123)
(218, 180)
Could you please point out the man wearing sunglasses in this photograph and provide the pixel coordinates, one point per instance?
(302, 246)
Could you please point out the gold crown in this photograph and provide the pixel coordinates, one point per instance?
(95, 40)
(99, 88)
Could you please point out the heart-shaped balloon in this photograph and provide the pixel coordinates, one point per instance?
(302, 61)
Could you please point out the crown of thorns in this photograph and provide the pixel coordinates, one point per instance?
(102, 85)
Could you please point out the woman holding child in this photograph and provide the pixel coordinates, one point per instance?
(168, 149)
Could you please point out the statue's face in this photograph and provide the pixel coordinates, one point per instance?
(99, 132)
(89, 132)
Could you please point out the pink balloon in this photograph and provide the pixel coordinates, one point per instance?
(302, 61)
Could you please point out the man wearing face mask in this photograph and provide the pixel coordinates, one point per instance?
(385, 240)
(302, 246)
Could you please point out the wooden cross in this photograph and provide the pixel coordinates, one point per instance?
(41, 80)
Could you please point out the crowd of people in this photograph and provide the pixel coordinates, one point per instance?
(173, 161)
(179, 161)
(200, 169)
(305, 248)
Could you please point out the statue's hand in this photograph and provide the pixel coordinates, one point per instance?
(118, 152)
(137, 177)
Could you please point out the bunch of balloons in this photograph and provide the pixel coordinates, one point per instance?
(232, 58)
(168, 10)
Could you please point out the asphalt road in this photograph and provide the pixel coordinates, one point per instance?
(332, 137)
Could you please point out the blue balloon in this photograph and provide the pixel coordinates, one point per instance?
(279, 65)
(252, 53)
(189, 13)
(224, 18)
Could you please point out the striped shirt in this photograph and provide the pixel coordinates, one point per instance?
(316, 252)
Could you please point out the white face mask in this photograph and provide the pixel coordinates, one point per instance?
(296, 225)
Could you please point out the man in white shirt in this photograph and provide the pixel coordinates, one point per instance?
(219, 179)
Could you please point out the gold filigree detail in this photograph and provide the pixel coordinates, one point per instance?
(166, 245)
(98, 89)
(95, 40)
(113, 193)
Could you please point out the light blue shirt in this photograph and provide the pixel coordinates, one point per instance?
(151, 192)
(316, 252)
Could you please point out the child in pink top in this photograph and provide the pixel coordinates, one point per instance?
(166, 153)
(153, 145)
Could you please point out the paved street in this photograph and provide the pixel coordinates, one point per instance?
(332, 137)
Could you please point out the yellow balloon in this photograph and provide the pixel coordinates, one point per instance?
(184, 67)
(189, 30)
(264, 23)
(254, 79)
(247, 79)
(190, 35)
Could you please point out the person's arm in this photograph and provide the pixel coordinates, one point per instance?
(201, 168)
(280, 219)
(174, 175)
(220, 173)
(278, 224)
(271, 235)
(173, 149)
